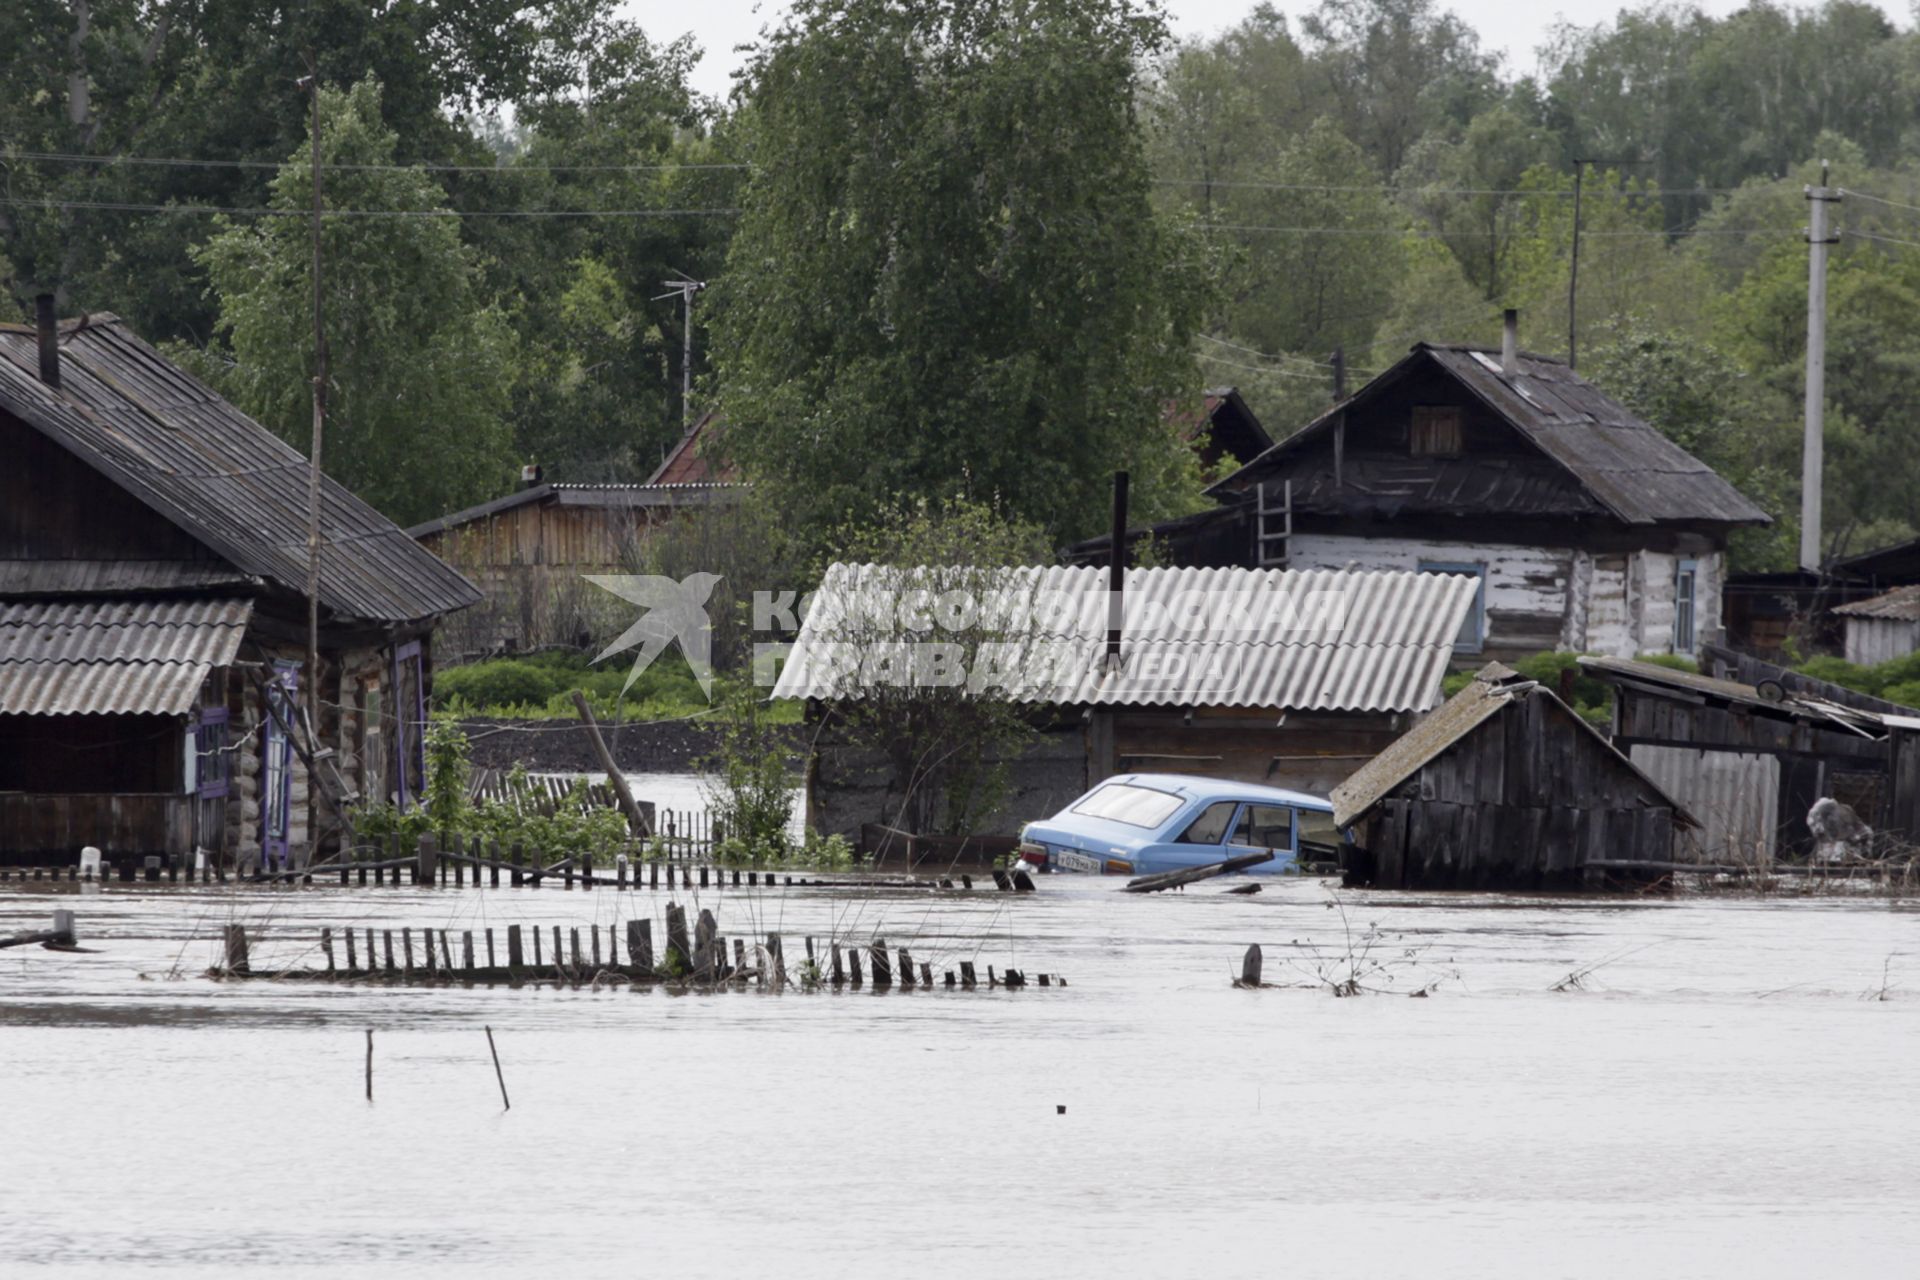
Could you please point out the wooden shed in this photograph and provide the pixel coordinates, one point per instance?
(1882, 628)
(1504, 787)
(153, 618)
(1751, 748)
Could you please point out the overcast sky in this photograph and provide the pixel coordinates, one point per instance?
(1515, 28)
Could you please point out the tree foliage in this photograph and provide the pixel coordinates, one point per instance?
(948, 271)
(420, 368)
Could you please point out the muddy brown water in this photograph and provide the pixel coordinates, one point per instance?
(1728, 1095)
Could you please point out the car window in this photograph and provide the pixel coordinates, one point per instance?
(1211, 826)
(1318, 827)
(1135, 806)
(1265, 826)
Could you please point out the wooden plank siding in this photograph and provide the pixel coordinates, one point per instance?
(53, 829)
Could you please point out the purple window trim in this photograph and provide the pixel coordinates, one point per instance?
(286, 683)
(212, 749)
(409, 736)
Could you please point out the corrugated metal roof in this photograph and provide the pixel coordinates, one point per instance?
(1493, 688)
(1629, 468)
(214, 472)
(1799, 705)
(100, 657)
(1902, 604)
(1325, 640)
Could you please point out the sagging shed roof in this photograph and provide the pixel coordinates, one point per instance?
(217, 474)
(105, 657)
(1629, 468)
(1692, 686)
(1492, 689)
(1347, 640)
(1902, 604)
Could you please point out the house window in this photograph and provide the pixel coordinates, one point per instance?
(1435, 432)
(1473, 627)
(1686, 594)
(211, 770)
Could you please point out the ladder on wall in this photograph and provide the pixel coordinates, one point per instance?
(1273, 525)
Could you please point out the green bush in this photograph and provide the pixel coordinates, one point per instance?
(1848, 675)
(502, 683)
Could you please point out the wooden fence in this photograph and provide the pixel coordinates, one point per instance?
(696, 957)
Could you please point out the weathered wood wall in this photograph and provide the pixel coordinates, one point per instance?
(1305, 750)
(1526, 799)
(36, 828)
(1619, 603)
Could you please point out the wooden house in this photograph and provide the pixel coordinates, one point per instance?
(531, 552)
(153, 618)
(1504, 787)
(1588, 529)
(1749, 748)
(1289, 678)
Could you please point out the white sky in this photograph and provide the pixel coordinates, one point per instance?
(1514, 27)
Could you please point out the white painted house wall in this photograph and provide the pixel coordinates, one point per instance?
(1619, 604)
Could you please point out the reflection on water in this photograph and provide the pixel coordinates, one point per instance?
(1719, 1099)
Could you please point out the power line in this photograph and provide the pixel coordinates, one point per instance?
(1868, 235)
(1235, 184)
(60, 157)
(1891, 204)
(1264, 355)
(120, 207)
(1433, 233)
(1297, 374)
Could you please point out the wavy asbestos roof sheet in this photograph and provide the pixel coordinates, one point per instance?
(1902, 604)
(109, 657)
(1323, 640)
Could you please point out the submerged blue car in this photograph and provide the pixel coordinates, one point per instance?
(1144, 823)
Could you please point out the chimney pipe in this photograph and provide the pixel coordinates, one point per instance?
(1510, 342)
(1117, 569)
(530, 475)
(49, 339)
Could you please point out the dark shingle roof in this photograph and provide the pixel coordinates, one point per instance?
(217, 474)
(1630, 469)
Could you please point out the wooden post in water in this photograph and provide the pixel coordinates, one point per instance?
(559, 955)
(739, 955)
(646, 946)
(679, 950)
(428, 859)
(386, 936)
(491, 965)
(369, 1064)
(653, 873)
(406, 940)
(1250, 967)
(497, 1072)
(877, 957)
(514, 878)
(839, 974)
(967, 978)
(516, 957)
(705, 929)
(906, 967)
(353, 961)
(538, 963)
(326, 945)
(926, 974)
(633, 944)
(466, 951)
(237, 948)
(853, 965)
(426, 941)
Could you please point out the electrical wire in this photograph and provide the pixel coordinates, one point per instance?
(1264, 355)
(1891, 204)
(116, 207)
(61, 157)
(1878, 239)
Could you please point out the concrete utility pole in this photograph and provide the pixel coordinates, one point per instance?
(1813, 448)
(685, 288)
(1573, 269)
(312, 85)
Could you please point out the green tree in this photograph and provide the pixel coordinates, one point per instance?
(421, 367)
(108, 79)
(948, 270)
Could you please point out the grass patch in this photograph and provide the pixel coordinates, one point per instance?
(539, 686)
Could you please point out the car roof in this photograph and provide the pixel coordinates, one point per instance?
(1223, 789)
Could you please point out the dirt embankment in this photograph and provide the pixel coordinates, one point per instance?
(562, 746)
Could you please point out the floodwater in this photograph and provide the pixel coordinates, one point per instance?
(1726, 1095)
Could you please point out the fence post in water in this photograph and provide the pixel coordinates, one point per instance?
(514, 877)
(967, 978)
(705, 929)
(496, 1071)
(620, 871)
(906, 967)
(386, 938)
(926, 974)
(406, 941)
(586, 869)
(516, 957)
(679, 951)
(466, 950)
(237, 948)
(593, 932)
(1250, 967)
(839, 974)
(490, 961)
(646, 946)
(326, 945)
(877, 958)
(369, 1064)
(633, 943)
(428, 859)
(559, 954)
(426, 941)
(353, 961)
(853, 965)
(739, 955)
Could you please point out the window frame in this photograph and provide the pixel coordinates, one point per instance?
(1478, 614)
(1427, 422)
(1246, 813)
(1686, 570)
(1233, 812)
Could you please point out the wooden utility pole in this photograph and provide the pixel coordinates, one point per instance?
(314, 488)
(1812, 460)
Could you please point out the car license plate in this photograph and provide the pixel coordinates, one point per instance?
(1068, 860)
